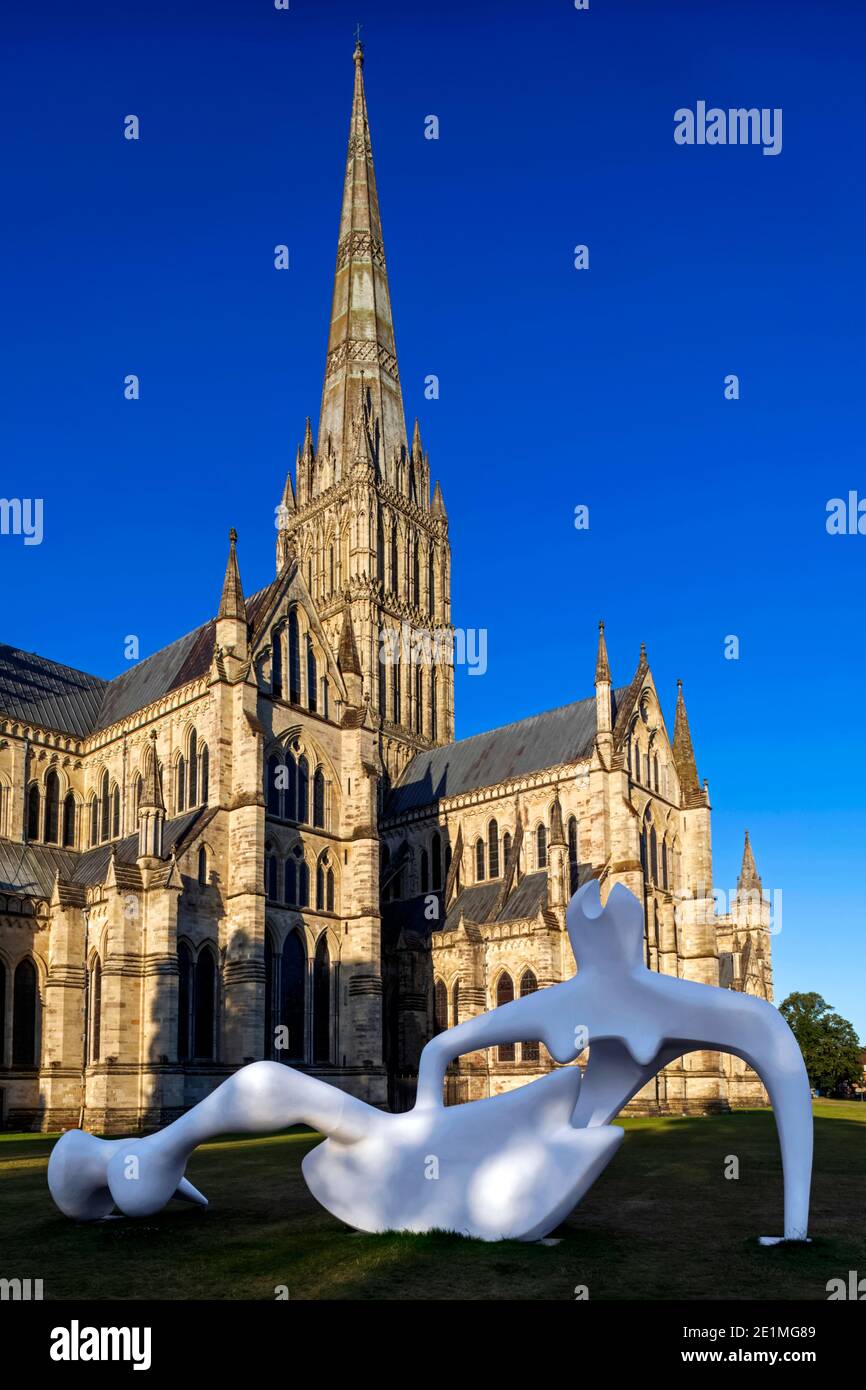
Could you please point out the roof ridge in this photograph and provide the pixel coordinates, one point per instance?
(527, 718)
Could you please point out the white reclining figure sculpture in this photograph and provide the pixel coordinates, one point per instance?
(512, 1166)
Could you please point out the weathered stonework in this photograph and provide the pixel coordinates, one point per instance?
(236, 848)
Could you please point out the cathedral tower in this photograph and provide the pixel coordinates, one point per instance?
(360, 518)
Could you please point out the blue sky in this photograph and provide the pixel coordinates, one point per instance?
(558, 387)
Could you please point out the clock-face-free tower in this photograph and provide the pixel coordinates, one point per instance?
(361, 517)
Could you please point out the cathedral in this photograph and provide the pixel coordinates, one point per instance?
(263, 840)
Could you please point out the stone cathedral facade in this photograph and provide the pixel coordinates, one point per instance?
(263, 840)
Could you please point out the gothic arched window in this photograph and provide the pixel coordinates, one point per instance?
(205, 1004)
(94, 822)
(504, 995)
(493, 850)
(572, 855)
(192, 797)
(425, 871)
(506, 851)
(312, 676)
(380, 552)
(416, 575)
(329, 891)
(52, 808)
(395, 581)
(24, 1005)
(293, 977)
(383, 687)
(541, 847)
(273, 787)
(277, 663)
(395, 692)
(419, 699)
(115, 811)
(303, 884)
(434, 715)
(290, 882)
(105, 808)
(440, 1006)
(202, 867)
(322, 1001)
(437, 861)
(319, 798)
(431, 583)
(303, 790)
(94, 1003)
(455, 1002)
(33, 812)
(290, 804)
(184, 1002)
(294, 659)
(180, 784)
(205, 775)
(320, 887)
(664, 863)
(479, 860)
(654, 857)
(272, 877)
(529, 1051)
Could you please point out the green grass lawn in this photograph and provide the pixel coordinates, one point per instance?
(662, 1222)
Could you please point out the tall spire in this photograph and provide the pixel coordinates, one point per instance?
(684, 753)
(603, 710)
(232, 601)
(437, 506)
(749, 880)
(361, 339)
(231, 623)
(602, 665)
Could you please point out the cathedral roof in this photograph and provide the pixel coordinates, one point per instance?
(477, 902)
(47, 693)
(563, 735)
(53, 696)
(29, 870)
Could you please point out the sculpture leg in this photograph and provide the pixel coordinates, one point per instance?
(87, 1175)
(611, 1078)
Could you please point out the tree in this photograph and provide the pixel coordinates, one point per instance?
(828, 1042)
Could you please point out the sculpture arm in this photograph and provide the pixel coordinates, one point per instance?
(693, 1017)
(518, 1021)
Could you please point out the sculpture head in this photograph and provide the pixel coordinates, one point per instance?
(609, 937)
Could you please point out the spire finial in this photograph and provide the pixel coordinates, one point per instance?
(602, 665)
(358, 55)
(232, 600)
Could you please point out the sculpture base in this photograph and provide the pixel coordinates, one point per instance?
(784, 1240)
